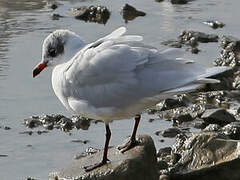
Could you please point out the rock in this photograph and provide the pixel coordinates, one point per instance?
(6, 128)
(3, 155)
(179, 1)
(212, 127)
(207, 156)
(97, 14)
(199, 123)
(170, 104)
(230, 53)
(191, 40)
(56, 16)
(164, 151)
(183, 118)
(218, 116)
(232, 130)
(58, 121)
(129, 13)
(139, 163)
(32, 122)
(53, 6)
(214, 24)
(162, 165)
(170, 132)
(190, 37)
(81, 122)
(164, 177)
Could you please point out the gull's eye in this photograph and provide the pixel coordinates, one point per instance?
(52, 52)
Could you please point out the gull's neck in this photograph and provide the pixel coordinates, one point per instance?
(73, 46)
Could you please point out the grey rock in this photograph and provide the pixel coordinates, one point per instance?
(129, 13)
(139, 163)
(218, 116)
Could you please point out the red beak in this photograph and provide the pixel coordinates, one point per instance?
(39, 68)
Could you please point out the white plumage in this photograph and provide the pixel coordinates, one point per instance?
(117, 76)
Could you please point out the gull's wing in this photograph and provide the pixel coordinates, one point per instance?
(115, 72)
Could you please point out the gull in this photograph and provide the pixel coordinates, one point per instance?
(117, 77)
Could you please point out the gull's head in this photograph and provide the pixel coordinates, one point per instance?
(58, 47)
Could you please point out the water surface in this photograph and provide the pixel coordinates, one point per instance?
(23, 26)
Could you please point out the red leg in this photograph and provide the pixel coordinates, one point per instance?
(105, 159)
(132, 142)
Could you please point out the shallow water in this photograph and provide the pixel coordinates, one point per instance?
(24, 25)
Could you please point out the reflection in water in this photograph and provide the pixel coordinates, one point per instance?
(16, 17)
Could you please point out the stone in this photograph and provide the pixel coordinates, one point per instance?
(164, 151)
(97, 14)
(214, 24)
(170, 132)
(139, 163)
(81, 122)
(229, 55)
(191, 37)
(232, 130)
(218, 116)
(170, 104)
(207, 155)
(212, 127)
(129, 13)
(179, 1)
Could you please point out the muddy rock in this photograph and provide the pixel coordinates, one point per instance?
(57, 121)
(129, 13)
(139, 163)
(190, 39)
(214, 24)
(218, 116)
(97, 14)
(207, 155)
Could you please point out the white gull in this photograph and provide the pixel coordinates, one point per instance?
(116, 77)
